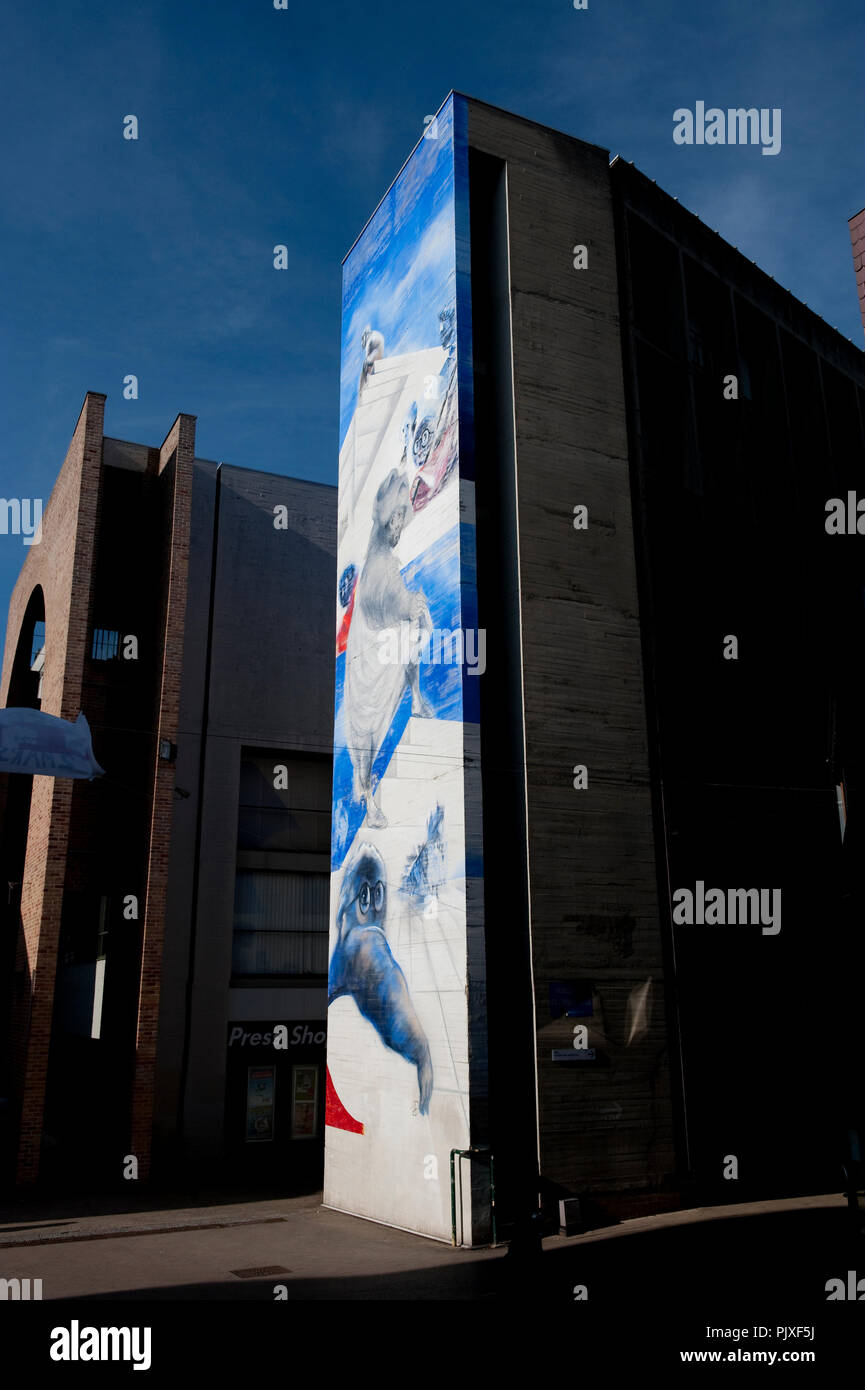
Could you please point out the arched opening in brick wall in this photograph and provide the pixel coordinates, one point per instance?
(26, 678)
(16, 788)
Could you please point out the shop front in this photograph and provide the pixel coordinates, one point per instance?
(274, 1112)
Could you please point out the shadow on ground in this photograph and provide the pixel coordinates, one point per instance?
(750, 1266)
(52, 1209)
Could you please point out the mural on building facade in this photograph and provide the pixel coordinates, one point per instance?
(397, 1034)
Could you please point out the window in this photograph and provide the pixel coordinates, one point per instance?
(282, 884)
(696, 345)
(656, 286)
(38, 645)
(280, 922)
(102, 933)
(284, 803)
(37, 656)
(99, 974)
(105, 644)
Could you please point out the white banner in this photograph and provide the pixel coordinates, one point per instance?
(43, 745)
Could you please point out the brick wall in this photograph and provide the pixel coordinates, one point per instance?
(857, 237)
(62, 564)
(175, 474)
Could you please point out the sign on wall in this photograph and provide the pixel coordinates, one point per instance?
(278, 1037)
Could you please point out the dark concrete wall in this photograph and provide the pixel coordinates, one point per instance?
(732, 496)
(593, 900)
(270, 685)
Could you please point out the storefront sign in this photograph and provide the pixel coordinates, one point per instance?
(279, 1036)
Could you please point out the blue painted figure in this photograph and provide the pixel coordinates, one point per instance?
(363, 966)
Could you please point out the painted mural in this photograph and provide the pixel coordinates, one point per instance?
(398, 1055)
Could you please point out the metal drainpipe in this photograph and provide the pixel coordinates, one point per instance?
(482, 1151)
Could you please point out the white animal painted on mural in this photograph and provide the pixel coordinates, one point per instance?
(374, 689)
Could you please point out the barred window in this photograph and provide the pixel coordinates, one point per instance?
(106, 644)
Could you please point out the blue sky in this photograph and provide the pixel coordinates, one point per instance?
(261, 126)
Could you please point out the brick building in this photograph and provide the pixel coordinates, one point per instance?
(152, 912)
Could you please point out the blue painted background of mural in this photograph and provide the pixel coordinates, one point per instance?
(441, 685)
(408, 244)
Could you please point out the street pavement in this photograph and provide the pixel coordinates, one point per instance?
(751, 1256)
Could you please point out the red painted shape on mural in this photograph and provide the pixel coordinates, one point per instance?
(335, 1113)
(342, 635)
